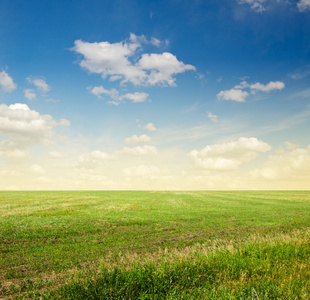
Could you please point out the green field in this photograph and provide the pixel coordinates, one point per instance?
(155, 245)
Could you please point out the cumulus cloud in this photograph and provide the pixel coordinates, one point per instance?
(6, 82)
(14, 154)
(150, 127)
(233, 95)
(145, 150)
(21, 127)
(134, 139)
(162, 68)
(40, 84)
(88, 170)
(291, 164)
(136, 97)
(303, 5)
(290, 146)
(93, 160)
(271, 86)
(30, 94)
(119, 61)
(228, 156)
(212, 117)
(238, 94)
(98, 91)
(141, 171)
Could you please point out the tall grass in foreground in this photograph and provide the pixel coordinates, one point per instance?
(262, 268)
(155, 245)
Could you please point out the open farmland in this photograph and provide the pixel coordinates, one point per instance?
(155, 245)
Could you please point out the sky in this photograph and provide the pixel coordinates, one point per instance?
(155, 95)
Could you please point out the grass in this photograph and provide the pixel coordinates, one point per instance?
(155, 245)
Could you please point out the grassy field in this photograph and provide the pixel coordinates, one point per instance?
(155, 245)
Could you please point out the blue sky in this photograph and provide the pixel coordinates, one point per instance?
(155, 94)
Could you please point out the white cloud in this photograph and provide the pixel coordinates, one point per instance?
(136, 97)
(21, 127)
(40, 84)
(64, 122)
(7, 82)
(30, 94)
(238, 94)
(290, 146)
(293, 165)
(110, 60)
(303, 5)
(271, 86)
(256, 5)
(113, 61)
(141, 171)
(233, 95)
(162, 67)
(14, 154)
(228, 156)
(134, 139)
(212, 117)
(156, 42)
(93, 160)
(88, 171)
(19, 106)
(98, 91)
(150, 127)
(139, 151)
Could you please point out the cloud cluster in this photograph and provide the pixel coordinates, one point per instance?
(293, 163)
(119, 61)
(21, 127)
(228, 156)
(30, 94)
(233, 95)
(6, 82)
(136, 97)
(238, 93)
(94, 159)
(41, 86)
